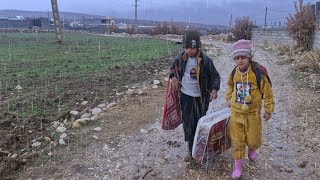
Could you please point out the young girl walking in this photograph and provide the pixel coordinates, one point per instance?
(248, 85)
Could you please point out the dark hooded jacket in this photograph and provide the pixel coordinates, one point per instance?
(207, 75)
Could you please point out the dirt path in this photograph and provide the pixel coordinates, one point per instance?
(132, 145)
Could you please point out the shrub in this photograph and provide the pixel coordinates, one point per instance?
(164, 29)
(112, 28)
(312, 58)
(242, 28)
(130, 30)
(301, 25)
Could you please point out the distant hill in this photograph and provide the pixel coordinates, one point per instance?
(30, 14)
(72, 16)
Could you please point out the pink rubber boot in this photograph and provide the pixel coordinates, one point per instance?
(236, 174)
(252, 155)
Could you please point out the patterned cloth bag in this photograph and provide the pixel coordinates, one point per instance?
(172, 109)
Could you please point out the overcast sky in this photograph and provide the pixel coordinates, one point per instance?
(202, 11)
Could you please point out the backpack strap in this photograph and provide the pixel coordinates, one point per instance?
(258, 72)
(233, 72)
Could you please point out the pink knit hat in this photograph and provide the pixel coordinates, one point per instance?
(242, 48)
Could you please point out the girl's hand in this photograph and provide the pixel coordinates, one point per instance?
(266, 116)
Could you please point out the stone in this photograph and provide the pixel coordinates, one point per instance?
(47, 139)
(119, 94)
(55, 124)
(19, 88)
(111, 105)
(61, 142)
(286, 169)
(96, 111)
(103, 105)
(83, 120)
(64, 135)
(36, 144)
(105, 148)
(61, 129)
(74, 113)
(140, 92)
(86, 115)
(93, 118)
(84, 103)
(76, 124)
(97, 129)
(50, 154)
(14, 156)
(143, 131)
(95, 137)
(155, 87)
(130, 91)
(156, 82)
(4, 153)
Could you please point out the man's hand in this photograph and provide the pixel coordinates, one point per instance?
(266, 116)
(213, 94)
(175, 84)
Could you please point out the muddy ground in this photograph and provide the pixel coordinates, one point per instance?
(132, 145)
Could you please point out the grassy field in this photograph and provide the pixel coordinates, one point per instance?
(49, 74)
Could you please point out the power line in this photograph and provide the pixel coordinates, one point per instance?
(123, 3)
(280, 18)
(280, 11)
(120, 4)
(260, 12)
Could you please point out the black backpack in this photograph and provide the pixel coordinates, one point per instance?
(259, 71)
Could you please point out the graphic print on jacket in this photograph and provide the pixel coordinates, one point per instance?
(242, 90)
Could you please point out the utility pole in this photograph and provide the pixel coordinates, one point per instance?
(265, 17)
(55, 11)
(135, 15)
(230, 22)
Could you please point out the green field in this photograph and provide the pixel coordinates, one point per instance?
(54, 77)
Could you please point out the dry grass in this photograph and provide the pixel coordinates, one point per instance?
(312, 58)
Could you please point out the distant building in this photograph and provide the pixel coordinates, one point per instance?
(108, 21)
(76, 24)
(316, 8)
(14, 23)
(25, 23)
(40, 23)
(145, 29)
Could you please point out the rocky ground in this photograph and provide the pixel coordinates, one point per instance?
(127, 142)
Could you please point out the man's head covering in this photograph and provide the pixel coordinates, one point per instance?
(191, 39)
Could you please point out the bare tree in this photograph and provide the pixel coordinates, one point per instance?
(242, 28)
(301, 25)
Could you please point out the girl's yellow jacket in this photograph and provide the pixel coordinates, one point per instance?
(239, 87)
